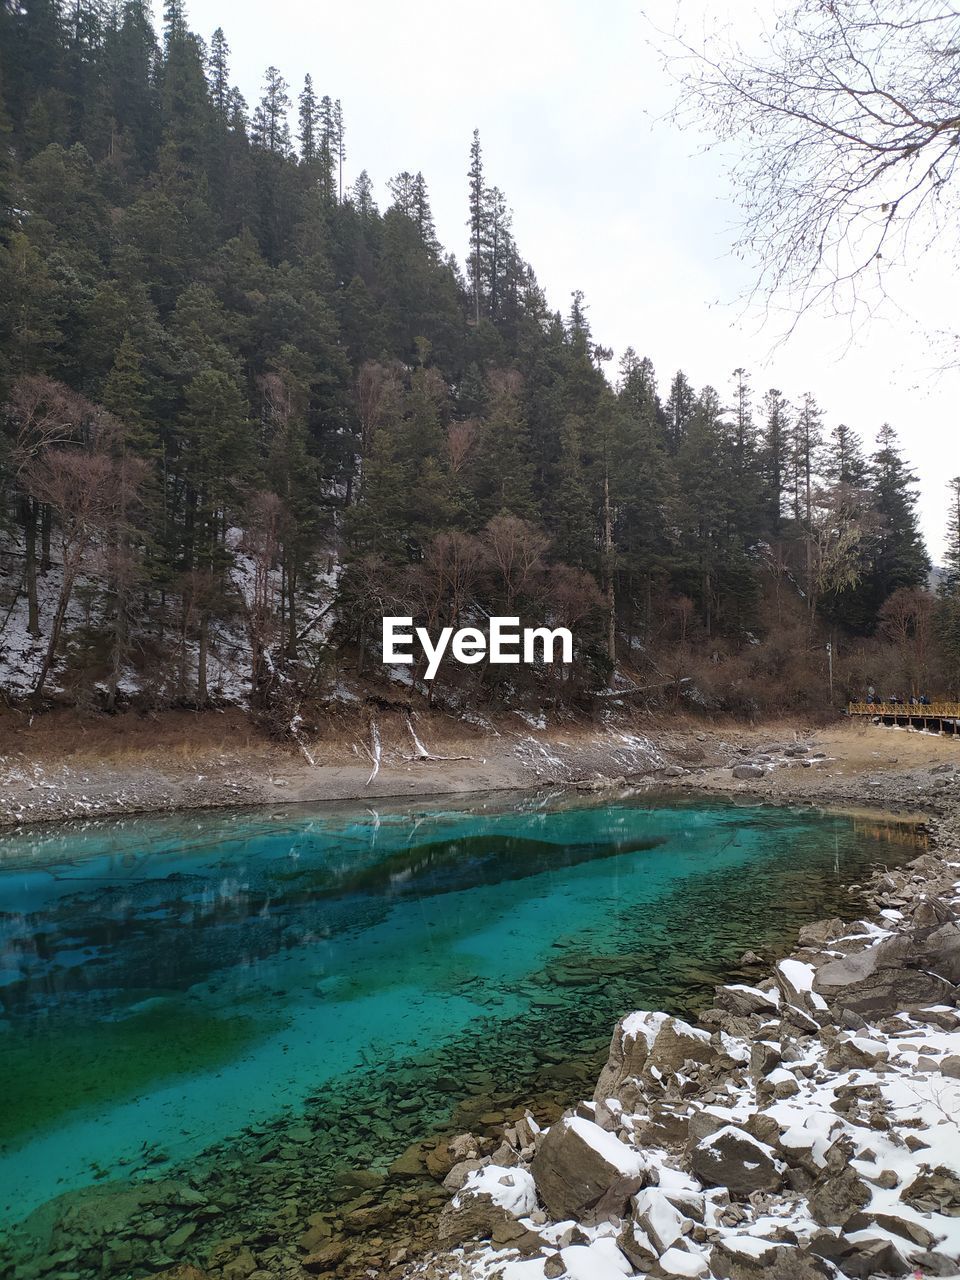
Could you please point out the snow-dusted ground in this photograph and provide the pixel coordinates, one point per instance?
(228, 653)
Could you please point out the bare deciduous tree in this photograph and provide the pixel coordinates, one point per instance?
(847, 127)
(516, 548)
(40, 414)
(92, 494)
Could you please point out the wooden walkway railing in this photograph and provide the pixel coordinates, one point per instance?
(939, 717)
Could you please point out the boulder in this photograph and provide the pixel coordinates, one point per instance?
(643, 1041)
(460, 1173)
(837, 1195)
(941, 951)
(471, 1216)
(325, 1259)
(929, 1262)
(745, 1001)
(580, 1170)
(731, 1158)
(748, 772)
(861, 1259)
(934, 1191)
(950, 1066)
(915, 1232)
(637, 1248)
(754, 1262)
(879, 980)
(659, 1220)
(848, 1053)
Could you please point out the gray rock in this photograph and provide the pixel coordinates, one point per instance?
(659, 1219)
(661, 1042)
(458, 1175)
(748, 771)
(942, 952)
(779, 1262)
(860, 1259)
(836, 1196)
(574, 1179)
(931, 1263)
(732, 1159)
(476, 1217)
(636, 1248)
(950, 1066)
(821, 932)
(912, 1231)
(877, 981)
(934, 1191)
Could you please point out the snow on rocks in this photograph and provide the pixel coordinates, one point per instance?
(787, 1137)
(582, 1171)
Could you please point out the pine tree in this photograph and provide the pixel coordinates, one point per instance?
(845, 468)
(218, 74)
(951, 555)
(476, 223)
(7, 198)
(308, 122)
(678, 410)
(901, 559)
(327, 148)
(339, 136)
(361, 197)
(271, 130)
(807, 443)
(174, 23)
(775, 458)
(125, 395)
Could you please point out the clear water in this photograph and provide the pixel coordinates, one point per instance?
(174, 988)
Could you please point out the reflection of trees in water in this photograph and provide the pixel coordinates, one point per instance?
(912, 835)
(174, 933)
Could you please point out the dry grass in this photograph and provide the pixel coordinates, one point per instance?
(169, 739)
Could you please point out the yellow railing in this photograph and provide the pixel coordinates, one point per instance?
(933, 711)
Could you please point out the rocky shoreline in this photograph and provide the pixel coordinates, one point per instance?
(804, 1127)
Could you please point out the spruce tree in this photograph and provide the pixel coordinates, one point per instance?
(271, 129)
(476, 223)
(901, 559)
(308, 132)
(951, 554)
(218, 73)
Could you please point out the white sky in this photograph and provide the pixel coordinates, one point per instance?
(606, 196)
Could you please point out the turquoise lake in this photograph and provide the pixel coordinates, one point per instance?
(181, 992)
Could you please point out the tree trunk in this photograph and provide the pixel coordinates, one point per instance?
(292, 612)
(119, 650)
(30, 553)
(46, 521)
(202, 659)
(57, 626)
(608, 571)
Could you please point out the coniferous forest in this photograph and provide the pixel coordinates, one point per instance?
(247, 411)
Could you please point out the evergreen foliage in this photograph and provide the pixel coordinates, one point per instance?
(311, 384)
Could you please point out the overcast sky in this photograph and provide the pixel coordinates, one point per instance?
(607, 196)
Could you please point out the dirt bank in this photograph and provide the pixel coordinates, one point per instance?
(66, 766)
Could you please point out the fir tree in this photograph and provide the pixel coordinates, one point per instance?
(307, 134)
